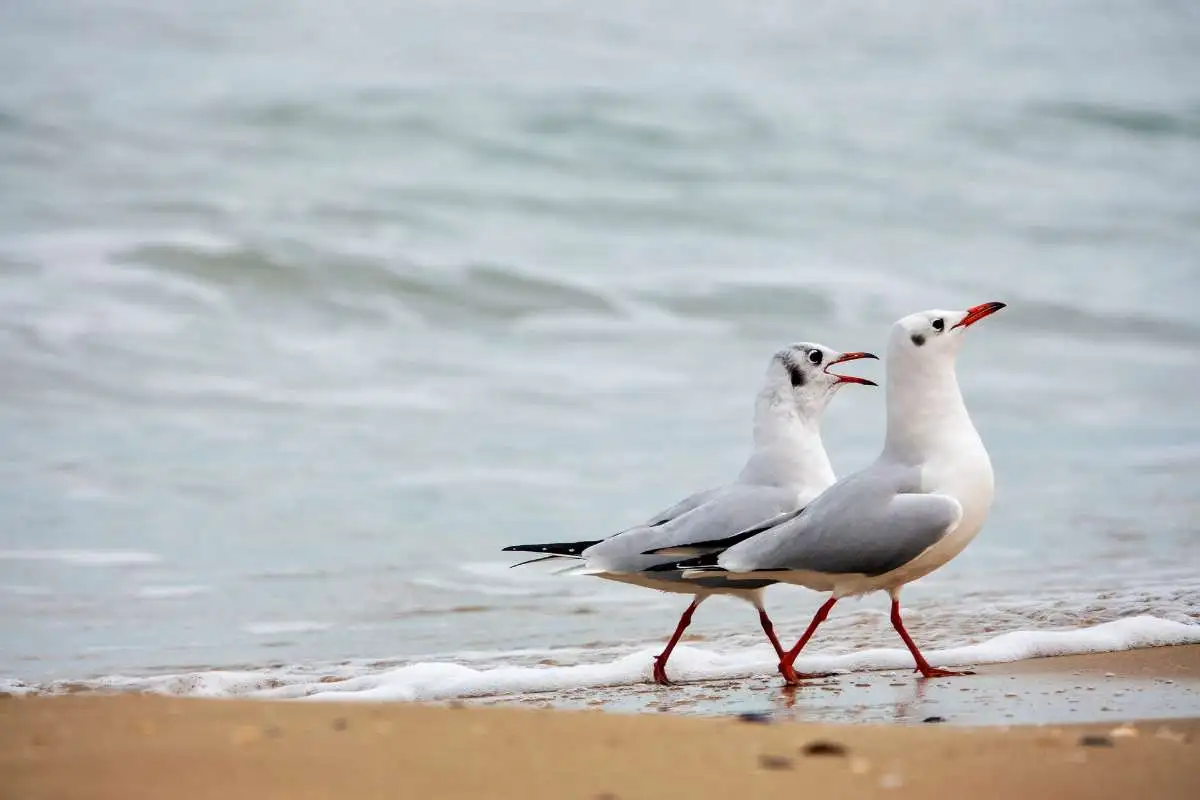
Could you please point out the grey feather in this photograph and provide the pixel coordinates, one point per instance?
(866, 524)
(730, 508)
(682, 507)
(716, 545)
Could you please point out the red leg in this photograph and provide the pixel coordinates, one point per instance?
(922, 665)
(789, 658)
(660, 660)
(769, 630)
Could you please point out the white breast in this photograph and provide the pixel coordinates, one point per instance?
(966, 475)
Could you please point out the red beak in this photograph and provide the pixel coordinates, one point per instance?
(851, 378)
(977, 313)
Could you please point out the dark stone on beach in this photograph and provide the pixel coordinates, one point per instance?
(934, 719)
(605, 796)
(756, 717)
(340, 724)
(824, 748)
(775, 763)
(1095, 740)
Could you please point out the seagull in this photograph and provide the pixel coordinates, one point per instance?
(787, 468)
(911, 511)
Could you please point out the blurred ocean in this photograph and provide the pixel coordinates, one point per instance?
(307, 308)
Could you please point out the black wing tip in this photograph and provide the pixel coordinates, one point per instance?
(574, 549)
(535, 560)
(730, 541)
(712, 544)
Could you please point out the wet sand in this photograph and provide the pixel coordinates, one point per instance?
(1151, 683)
(131, 746)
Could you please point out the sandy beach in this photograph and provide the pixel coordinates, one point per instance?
(130, 746)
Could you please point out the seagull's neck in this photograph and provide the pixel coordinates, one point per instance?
(788, 450)
(926, 416)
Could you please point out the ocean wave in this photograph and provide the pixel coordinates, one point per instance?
(85, 558)
(1127, 119)
(145, 288)
(170, 592)
(211, 272)
(1102, 325)
(285, 626)
(430, 681)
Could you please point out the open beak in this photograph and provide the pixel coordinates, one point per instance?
(977, 313)
(851, 378)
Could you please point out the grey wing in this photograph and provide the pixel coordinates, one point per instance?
(661, 518)
(683, 506)
(728, 511)
(863, 535)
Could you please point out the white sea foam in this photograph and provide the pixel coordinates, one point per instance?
(84, 558)
(285, 626)
(170, 592)
(442, 680)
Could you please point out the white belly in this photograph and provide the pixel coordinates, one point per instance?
(946, 549)
(647, 580)
(969, 480)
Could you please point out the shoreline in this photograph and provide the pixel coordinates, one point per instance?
(1147, 683)
(128, 745)
(611, 679)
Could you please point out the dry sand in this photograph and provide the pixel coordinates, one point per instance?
(137, 746)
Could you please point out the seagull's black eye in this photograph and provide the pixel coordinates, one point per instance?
(815, 356)
(939, 324)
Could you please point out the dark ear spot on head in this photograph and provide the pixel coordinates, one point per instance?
(918, 339)
(797, 374)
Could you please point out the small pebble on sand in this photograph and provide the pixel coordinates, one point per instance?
(1095, 740)
(823, 747)
(774, 763)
